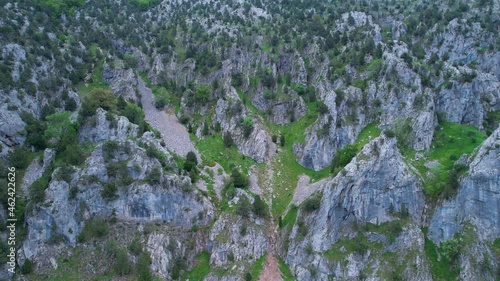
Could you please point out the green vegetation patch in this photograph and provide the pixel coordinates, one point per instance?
(213, 150)
(450, 141)
(257, 267)
(71, 269)
(56, 7)
(390, 230)
(286, 273)
(344, 247)
(201, 268)
(349, 151)
(440, 265)
(95, 81)
(290, 217)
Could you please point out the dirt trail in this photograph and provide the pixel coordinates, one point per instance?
(271, 270)
(174, 134)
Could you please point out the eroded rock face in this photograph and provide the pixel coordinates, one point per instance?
(473, 212)
(374, 186)
(229, 113)
(281, 111)
(325, 136)
(168, 199)
(100, 128)
(167, 244)
(37, 168)
(229, 243)
(478, 197)
(122, 82)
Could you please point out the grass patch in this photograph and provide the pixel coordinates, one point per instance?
(287, 169)
(390, 229)
(286, 273)
(290, 217)
(368, 133)
(70, 269)
(349, 151)
(201, 268)
(257, 267)
(440, 266)
(212, 150)
(496, 247)
(358, 245)
(95, 82)
(450, 141)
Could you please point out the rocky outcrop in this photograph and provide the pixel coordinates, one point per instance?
(168, 245)
(37, 168)
(122, 82)
(371, 189)
(467, 103)
(233, 239)
(104, 126)
(230, 113)
(477, 198)
(138, 195)
(281, 111)
(333, 130)
(164, 67)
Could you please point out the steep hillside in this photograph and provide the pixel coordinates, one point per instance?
(251, 140)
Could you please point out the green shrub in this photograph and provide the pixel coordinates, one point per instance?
(109, 148)
(191, 161)
(37, 190)
(135, 247)
(247, 124)
(73, 154)
(109, 192)
(361, 245)
(282, 140)
(244, 207)
(202, 93)
(389, 133)
(302, 229)
(230, 256)
(451, 250)
(238, 179)
(344, 156)
(110, 247)
(95, 99)
(94, 228)
(259, 207)
(154, 176)
(228, 139)
(27, 267)
(217, 127)
(322, 108)
(19, 158)
(73, 191)
(122, 265)
(133, 113)
(64, 173)
(143, 267)
(312, 203)
(161, 98)
(178, 266)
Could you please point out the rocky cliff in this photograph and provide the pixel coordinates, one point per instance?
(372, 191)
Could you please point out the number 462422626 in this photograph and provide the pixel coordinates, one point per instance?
(11, 191)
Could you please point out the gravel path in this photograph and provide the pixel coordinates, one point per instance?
(271, 271)
(172, 131)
